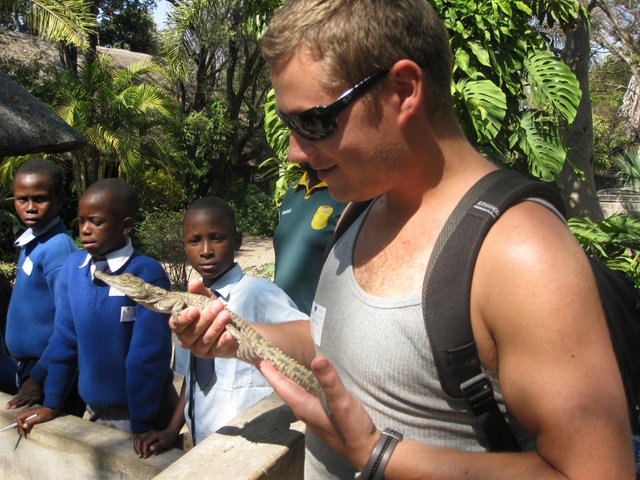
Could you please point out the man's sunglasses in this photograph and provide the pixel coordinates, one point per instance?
(319, 122)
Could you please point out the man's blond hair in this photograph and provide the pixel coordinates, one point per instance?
(354, 38)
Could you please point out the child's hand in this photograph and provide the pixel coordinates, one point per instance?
(40, 415)
(29, 394)
(154, 441)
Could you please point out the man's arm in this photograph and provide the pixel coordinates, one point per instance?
(536, 311)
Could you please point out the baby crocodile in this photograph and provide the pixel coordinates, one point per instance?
(252, 345)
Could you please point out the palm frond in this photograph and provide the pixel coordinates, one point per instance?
(68, 21)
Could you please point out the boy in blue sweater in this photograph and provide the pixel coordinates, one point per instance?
(38, 190)
(122, 350)
(216, 391)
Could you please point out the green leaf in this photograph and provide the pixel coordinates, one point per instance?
(542, 145)
(462, 60)
(553, 83)
(486, 105)
(481, 54)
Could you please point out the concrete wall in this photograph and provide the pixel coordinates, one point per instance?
(265, 442)
(619, 201)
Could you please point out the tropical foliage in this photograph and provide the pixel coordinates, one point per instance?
(501, 59)
(123, 118)
(128, 24)
(67, 21)
(215, 69)
(278, 166)
(616, 240)
(608, 80)
(628, 166)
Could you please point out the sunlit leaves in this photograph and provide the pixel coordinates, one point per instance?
(486, 106)
(553, 82)
(67, 21)
(541, 143)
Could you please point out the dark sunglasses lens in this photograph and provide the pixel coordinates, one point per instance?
(313, 124)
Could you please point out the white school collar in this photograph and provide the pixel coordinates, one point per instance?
(115, 259)
(29, 234)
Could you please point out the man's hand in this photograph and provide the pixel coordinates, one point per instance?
(349, 431)
(204, 333)
(30, 393)
(153, 442)
(43, 414)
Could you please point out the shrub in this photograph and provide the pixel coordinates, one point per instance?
(628, 168)
(160, 236)
(256, 215)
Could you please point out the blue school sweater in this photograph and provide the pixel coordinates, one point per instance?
(122, 350)
(32, 307)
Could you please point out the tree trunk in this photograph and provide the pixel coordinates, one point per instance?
(631, 106)
(579, 194)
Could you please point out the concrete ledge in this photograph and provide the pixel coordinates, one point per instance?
(264, 442)
(72, 448)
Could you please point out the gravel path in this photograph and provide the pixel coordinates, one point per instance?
(255, 251)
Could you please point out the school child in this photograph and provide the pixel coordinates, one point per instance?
(122, 350)
(38, 190)
(216, 391)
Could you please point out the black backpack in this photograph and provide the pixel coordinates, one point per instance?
(447, 317)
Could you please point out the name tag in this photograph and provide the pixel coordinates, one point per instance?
(27, 266)
(318, 312)
(113, 292)
(128, 314)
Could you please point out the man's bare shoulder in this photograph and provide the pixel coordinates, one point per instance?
(531, 278)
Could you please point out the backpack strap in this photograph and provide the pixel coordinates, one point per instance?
(450, 270)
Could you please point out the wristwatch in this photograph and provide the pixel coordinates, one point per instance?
(386, 444)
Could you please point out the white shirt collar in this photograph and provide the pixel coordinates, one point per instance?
(115, 259)
(29, 234)
(226, 282)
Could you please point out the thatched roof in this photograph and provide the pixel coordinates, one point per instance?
(28, 126)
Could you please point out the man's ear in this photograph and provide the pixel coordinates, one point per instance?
(127, 225)
(238, 241)
(407, 80)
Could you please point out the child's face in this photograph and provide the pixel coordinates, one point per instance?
(35, 203)
(210, 242)
(102, 229)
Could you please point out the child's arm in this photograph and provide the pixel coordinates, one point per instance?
(155, 441)
(30, 393)
(43, 414)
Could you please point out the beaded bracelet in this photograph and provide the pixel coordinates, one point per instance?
(386, 444)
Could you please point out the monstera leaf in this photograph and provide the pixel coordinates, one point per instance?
(486, 105)
(541, 143)
(553, 83)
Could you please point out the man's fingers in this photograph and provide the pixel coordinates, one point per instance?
(328, 378)
(198, 286)
(304, 404)
(217, 326)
